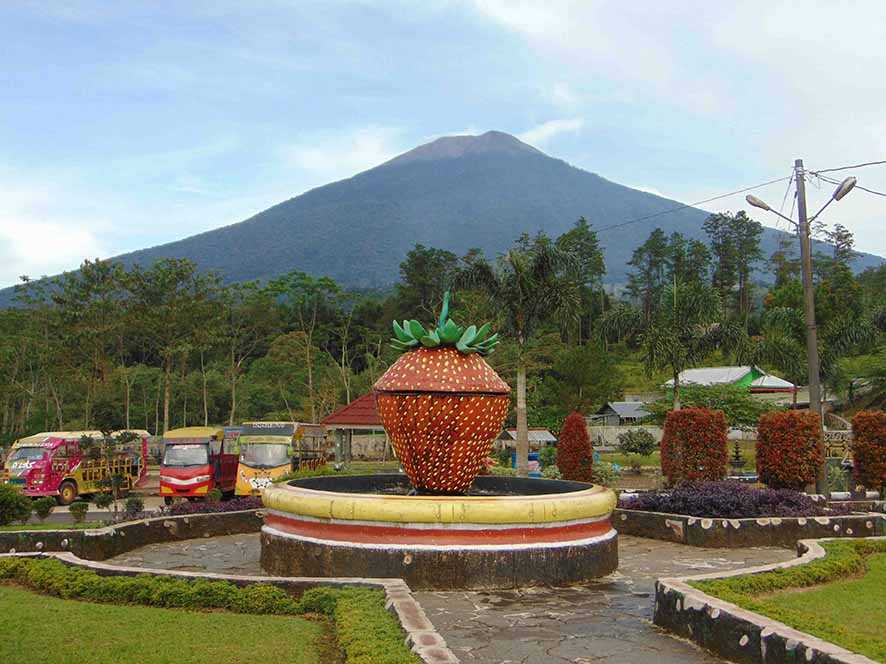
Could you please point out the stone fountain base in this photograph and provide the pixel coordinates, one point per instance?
(506, 533)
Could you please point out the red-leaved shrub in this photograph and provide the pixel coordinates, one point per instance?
(869, 448)
(575, 458)
(789, 449)
(693, 446)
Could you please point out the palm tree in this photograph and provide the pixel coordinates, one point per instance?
(685, 326)
(528, 286)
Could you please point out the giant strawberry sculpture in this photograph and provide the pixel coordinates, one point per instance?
(441, 403)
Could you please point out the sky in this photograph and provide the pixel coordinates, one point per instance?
(127, 124)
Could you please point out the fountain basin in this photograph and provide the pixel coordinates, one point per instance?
(505, 532)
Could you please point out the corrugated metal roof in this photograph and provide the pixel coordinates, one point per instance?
(772, 383)
(711, 376)
(536, 435)
(623, 409)
(359, 414)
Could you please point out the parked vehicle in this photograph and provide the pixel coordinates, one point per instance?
(196, 460)
(55, 463)
(265, 454)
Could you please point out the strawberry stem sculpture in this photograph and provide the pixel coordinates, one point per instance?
(441, 403)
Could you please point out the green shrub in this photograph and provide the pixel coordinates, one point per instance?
(318, 600)
(366, 635)
(14, 506)
(503, 471)
(637, 441)
(133, 506)
(43, 507)
(78, 510)
(547, 456)
(214, 496)
(552, 473)
(605, 473)
(264, 598)
(103, 500)
(504, 456)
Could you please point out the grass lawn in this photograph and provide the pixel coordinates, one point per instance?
(55, 526)
(839, 605)
(37, 628)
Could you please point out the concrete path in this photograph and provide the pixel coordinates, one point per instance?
(607, 621)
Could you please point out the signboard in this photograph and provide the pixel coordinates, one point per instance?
(266, 432)
(837, 444)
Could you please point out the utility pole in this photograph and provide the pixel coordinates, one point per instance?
(809, 309)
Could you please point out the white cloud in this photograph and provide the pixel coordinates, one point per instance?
(32, 244)
(333, 155)
(544, 132)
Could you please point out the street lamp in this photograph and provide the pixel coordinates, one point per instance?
(808, 296)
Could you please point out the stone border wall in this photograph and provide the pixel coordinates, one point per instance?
(740, 635)
(110, 541)
(741, 533)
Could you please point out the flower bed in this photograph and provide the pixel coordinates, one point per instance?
(729, 500)
(235, 505)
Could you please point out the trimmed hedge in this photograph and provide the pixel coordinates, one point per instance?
(693, 445)
(366, 632)
(789, 449)
(14, 505)
(575, 458)
(869, 448)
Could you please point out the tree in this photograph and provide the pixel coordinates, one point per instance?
(650, 262)
(581, 241)
(527, 286)
(170, 302)
(575, 457)
(684, 328)
(424, 275)
(735, 240)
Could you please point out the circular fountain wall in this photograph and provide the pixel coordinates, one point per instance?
(504, 532)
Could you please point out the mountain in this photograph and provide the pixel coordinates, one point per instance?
(454, 193)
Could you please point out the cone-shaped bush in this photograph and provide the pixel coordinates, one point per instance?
(575, 458)
(869, 448)
(693, 445)
(789, 449)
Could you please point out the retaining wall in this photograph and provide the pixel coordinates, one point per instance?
(739, 533)
(740, 635)
(110, 541)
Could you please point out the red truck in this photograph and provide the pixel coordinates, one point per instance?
(197, 460)
(52, 464)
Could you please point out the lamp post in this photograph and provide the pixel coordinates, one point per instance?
(802, 227)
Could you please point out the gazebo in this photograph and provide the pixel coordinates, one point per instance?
(359, 415)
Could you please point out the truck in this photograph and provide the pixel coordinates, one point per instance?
(195, 461)
(265, 454)
(57, 464)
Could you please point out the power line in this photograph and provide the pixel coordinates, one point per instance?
(690, 205)
(857, 186)
(846, 168)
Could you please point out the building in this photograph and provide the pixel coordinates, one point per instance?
(619, 413)
(357, 430)
(538, 438)
(754, 378)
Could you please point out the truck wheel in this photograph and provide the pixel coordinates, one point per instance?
(67, 492)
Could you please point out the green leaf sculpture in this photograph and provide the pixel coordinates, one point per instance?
(411, 334)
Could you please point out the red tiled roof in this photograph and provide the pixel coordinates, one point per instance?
(360, 413)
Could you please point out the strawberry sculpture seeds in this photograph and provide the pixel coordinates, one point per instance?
(441, 404)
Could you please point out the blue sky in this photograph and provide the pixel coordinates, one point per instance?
(128, 124)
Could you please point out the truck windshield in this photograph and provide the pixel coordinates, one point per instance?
(185, 455)
(264, 455)
(26, 454)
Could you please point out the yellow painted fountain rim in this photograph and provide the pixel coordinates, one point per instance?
(594, 502)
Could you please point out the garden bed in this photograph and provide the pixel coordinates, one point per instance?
(825, 606)
(363, 629)
(729, 514)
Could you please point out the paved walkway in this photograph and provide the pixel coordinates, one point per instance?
(606, 621)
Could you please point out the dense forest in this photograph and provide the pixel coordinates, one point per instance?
(168, 345)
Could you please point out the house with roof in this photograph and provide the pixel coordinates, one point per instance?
(752, 377)
(619, 413)
(357, 430)
(538, 437)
